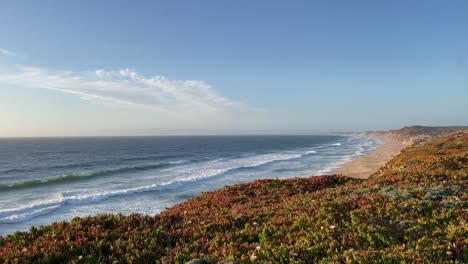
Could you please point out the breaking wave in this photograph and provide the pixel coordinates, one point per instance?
(71, 177)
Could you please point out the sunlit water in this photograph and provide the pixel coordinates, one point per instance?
(47, 180)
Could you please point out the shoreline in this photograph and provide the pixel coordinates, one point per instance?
(253, 222)
(363, 167)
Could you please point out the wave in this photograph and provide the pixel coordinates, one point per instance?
(332, 167)
(361, 149)
(181, 176)
(22, 214)
(280, 170)
(208, 171)
(238, 164)
(90, 164)
(221, 166)
(73, 177)
(83, 176)
(326, 170)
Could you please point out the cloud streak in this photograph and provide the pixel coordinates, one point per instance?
(8, 53)
(127, 88)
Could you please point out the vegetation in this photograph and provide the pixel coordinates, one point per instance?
(428, 131)
(413, 210)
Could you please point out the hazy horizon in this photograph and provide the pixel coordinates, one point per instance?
(212, 133)
(224, 68)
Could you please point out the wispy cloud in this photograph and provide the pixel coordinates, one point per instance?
(127, 88)
(8, 53)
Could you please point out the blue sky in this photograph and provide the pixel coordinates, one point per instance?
(216, 67)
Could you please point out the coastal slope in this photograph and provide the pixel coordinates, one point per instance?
(391, 143)
(413, 209)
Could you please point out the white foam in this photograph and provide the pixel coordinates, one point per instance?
(21, 214)
(178, 162)
(326, 170)
(205, 171)
(359, 151)
(180, 176)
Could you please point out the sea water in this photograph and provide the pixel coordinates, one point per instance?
(43, 180)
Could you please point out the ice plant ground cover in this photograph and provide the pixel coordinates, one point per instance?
(413, 210)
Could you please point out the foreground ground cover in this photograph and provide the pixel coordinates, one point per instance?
(413, 210)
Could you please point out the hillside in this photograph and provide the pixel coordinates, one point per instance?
(414, 210)
(417, 134)
(427, 130)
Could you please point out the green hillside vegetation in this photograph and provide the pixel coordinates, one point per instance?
(413, 210)
(427, 130)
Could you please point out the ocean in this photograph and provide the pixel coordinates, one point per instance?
(43, 180)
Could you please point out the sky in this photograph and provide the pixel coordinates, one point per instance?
(87, 68)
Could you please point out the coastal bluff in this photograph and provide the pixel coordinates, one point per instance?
(413, 209)
(391, 144)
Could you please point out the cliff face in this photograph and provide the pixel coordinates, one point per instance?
(430, 131)
(419, 134)
(414, 209)
(416, 134)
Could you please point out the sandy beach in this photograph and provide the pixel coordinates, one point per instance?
(363, 167)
